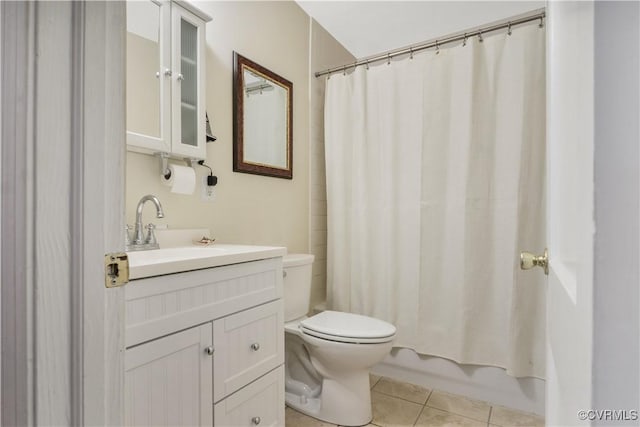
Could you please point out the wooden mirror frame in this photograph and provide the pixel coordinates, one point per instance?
(239, 165)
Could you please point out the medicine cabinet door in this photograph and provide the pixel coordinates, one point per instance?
(149, 76)
(188, 85)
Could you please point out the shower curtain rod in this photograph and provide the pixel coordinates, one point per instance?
(436, 43)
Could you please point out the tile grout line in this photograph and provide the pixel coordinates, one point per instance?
(375, 383)
(428, 397)
(455, 413)
(421, 411)
(398, 397)
(484, 402)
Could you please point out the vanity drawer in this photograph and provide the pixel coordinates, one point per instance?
(247, 345)
(162, 305)
(261, 402)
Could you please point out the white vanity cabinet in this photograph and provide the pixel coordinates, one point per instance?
(206, 347)
(166, 78)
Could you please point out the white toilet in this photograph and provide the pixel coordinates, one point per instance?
(328, 356)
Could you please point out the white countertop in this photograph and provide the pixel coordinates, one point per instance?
(178, 259)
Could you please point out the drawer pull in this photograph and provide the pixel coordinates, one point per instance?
(209, 350)
(255, 420)
(255, 347)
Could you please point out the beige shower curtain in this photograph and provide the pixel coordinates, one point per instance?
(435, 178)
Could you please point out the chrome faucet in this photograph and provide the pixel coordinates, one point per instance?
(139, 242)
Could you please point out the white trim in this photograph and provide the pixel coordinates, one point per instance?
(76, 201)
(1, 74)
(103, 210)
(191, 8)
(18, 50)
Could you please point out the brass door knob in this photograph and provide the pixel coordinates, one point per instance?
(529, 260)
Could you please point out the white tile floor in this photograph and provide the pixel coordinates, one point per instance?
(399, 404)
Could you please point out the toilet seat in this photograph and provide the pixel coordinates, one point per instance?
(348, 328)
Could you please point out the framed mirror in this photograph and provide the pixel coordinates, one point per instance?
(262, 121)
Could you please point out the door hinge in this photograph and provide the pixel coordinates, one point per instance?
(116, 269)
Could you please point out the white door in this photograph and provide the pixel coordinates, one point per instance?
(570, 210)
(62, 358)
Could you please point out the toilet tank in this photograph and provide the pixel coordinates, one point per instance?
(297, 285)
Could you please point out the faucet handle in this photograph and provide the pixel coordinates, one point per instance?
(151, 241)
(127, 236)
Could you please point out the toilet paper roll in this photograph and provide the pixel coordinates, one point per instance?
(182, 179)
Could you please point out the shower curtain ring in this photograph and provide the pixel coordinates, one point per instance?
(541, 22)
(367, 64)
(509, 31)
(480, 39)
(464, 41)
(344, 70)
(388, 59)
(411, 53)
(437, 48)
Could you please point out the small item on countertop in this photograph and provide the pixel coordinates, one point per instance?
(205, 241)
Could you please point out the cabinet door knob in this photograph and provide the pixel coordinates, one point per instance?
(167, 72)
(209, 350)
(180, 77)
(255, 346)
(256, 420)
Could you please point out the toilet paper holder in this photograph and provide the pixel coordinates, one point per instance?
(164, 164)
(165, 171)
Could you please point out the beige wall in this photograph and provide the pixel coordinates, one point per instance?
(254, 209)
(248, 209)
(325, 53)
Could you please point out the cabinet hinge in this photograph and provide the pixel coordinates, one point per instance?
(116, 269)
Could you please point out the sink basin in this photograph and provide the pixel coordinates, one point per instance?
(175, 260)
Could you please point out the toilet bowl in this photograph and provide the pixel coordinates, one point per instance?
(328, 355)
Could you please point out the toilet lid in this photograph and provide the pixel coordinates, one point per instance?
(348, 327)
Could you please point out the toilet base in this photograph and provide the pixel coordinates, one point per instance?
(347, 403)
